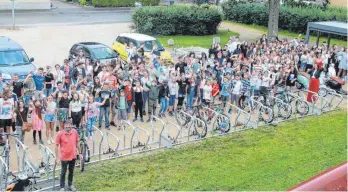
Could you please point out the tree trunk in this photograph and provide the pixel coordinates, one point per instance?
(274, 8)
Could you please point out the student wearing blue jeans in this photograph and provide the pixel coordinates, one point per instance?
(163, 95)
(105, 109)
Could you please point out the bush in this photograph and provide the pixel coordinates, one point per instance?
(83, 2)
(177, 20)
(123, 3)
(294, 19)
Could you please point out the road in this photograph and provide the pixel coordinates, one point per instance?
(65, 14)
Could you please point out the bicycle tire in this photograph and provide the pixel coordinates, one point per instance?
(87, 156)
(223, 123)
(82, 160)
(287, 110)
(304, 106)
(203, 132)
(181, 120)
(266, 111)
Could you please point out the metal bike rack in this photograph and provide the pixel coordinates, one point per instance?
(239, 113)
(100, 143)
(4, 171)
(136, 132)
(298, 99)
(213, 113)
(334, 96)
(48, 154)
(21, 164)
(280, 102)
(260, 106)
(115, 151)
(153, 128)
(315, 97)
(123, 123)
(169, 140)
(192, 123)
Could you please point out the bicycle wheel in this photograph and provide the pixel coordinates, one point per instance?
(284, 111)
(201, 127)
(181, 119)
(222, 123)
(266, 115)
(82, 160)
(302, 108)
(87, 156)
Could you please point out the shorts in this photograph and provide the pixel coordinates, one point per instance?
(63, 114)
(172, 100)
(51, 118)
(122, 114)
(4, 123)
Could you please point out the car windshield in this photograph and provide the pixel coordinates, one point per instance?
(103, 53)
(148, 46)
(13, 57)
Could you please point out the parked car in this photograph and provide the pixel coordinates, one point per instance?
(125, 38)
(14, 60)
(94, 51)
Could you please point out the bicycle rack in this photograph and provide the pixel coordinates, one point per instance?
(169, 141)
(100, 143)
(278, 103)
(138, 143)
(21, 164)
(4, 172)
(335, 95)
(109, 149)
(246, 123)
(212, 115)
(298, 99)
(259, 115)
(153, 128)
(124, 123)
(48, 173)
(316, 98)
(191, 123)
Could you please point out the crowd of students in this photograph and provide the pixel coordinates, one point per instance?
(103, 93)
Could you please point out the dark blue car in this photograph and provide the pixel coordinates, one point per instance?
(14, 60)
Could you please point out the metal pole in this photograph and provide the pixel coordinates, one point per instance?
(13, 15)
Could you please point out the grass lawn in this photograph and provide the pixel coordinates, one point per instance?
(293, 35)
(267, 158)
(202, 41)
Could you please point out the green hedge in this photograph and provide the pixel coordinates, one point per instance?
(123, 3)
(177, 20)
(294, 19)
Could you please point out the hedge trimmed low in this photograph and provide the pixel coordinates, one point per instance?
(294, 19)
(177, 20)
(123, 3)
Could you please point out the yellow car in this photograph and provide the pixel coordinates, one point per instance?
(126, 38)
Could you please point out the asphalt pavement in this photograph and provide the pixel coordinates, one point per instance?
(65, 14)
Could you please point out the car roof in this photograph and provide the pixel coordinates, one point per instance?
(91, 45)
(8, 44)
(137, 36)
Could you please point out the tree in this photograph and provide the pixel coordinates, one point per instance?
(273, 19)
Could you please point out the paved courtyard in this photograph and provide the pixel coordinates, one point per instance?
(50, 45)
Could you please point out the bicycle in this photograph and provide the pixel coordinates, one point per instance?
(86, 154)
(302, 107)
(200, 129)
(221, 121)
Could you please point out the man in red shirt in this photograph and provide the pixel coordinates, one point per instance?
(66, 143)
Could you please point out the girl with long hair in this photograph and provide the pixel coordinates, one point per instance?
(37, 120)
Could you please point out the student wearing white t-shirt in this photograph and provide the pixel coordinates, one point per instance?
(236, 91)
(6, 112)
(75, 110)
(207, 89)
